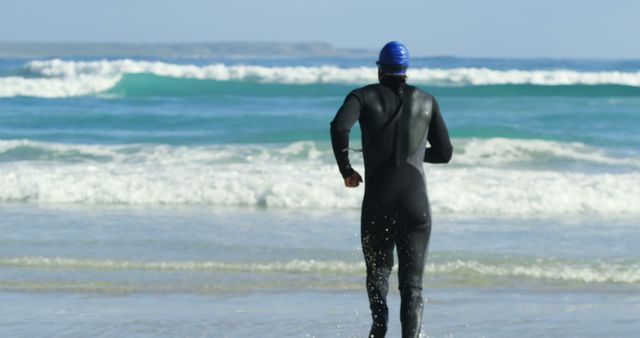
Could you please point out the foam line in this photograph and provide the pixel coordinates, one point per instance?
(60, 78)
(304, 175)
(547, 270)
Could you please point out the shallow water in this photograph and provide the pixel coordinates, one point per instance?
(220, 272)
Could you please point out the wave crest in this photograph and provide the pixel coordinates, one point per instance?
(304, 175)
(60, 78)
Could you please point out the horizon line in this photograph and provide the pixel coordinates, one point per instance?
(336, 50)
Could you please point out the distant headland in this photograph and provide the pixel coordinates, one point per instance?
(213, 49)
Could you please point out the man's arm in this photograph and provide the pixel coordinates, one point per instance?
(441, 148)
(341, 125)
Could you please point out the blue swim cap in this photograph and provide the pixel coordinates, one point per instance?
(394, 58)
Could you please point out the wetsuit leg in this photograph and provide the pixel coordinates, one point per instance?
(378, 235)
(412, 241)
(412, 253)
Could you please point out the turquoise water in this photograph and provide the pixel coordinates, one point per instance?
(191, 197)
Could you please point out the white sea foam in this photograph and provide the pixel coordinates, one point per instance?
(559, 271)
(73, 78)
(501, 151)
(602, 273)
(301, 175)
(485, 76)
(56, 87)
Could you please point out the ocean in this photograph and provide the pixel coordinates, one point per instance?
(199, 197)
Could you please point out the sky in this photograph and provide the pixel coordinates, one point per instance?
(471, 28)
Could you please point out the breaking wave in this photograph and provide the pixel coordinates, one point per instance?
(489, 177)
(59, 78)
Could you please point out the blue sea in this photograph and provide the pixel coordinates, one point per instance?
(199, 197)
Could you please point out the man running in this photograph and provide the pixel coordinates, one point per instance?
(396, 121)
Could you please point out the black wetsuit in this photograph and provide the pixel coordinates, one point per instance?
(396, 121)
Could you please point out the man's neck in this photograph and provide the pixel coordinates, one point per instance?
(393, 82)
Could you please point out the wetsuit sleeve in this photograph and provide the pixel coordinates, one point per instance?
(441, 149)
(341, 125)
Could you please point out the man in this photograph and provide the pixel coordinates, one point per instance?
(396, 121)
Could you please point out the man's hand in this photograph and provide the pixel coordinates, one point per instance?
(353, 180)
